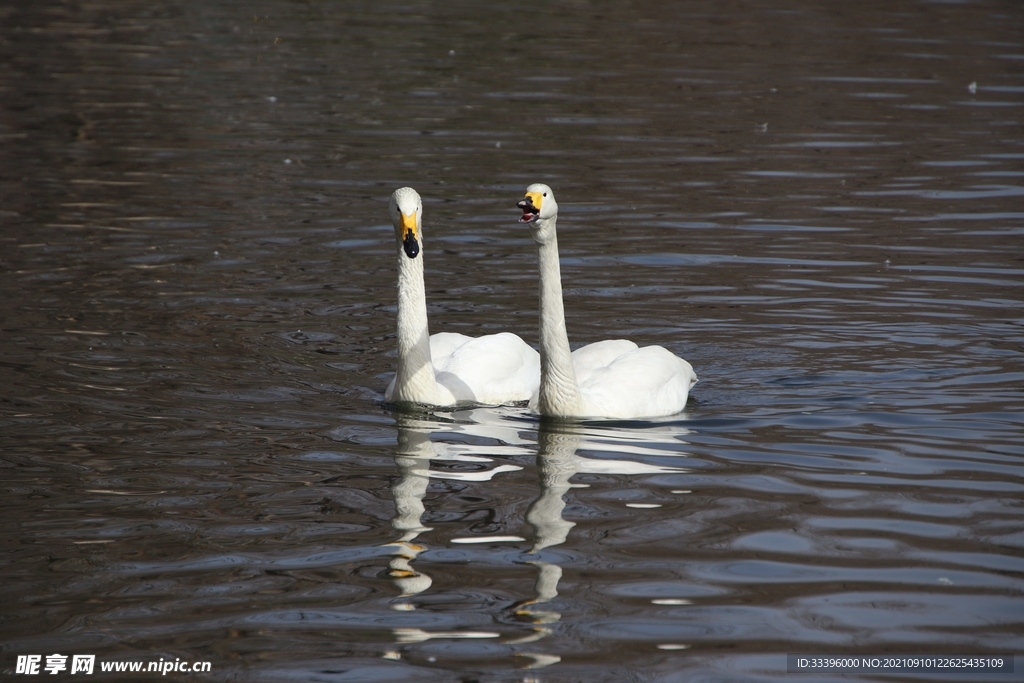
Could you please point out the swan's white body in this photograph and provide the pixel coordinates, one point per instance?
(448, 368)
(608, 379)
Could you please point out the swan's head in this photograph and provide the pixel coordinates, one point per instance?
(407, 214)
(539, 210)
(539, 204)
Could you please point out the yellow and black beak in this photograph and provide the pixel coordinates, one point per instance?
(530, 206)
(410, 234)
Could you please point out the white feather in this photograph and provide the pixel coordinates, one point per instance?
(447, 368)
(608, 379)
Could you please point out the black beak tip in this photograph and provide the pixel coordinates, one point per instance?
(411, 246)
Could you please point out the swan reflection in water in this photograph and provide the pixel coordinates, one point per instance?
(557, 448)
(415, 452)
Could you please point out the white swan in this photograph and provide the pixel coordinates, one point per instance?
(608, 379)
(447, 369)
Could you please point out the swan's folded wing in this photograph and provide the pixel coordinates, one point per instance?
(592, 357)
(496, 368)
(648, 382)
(443, 345)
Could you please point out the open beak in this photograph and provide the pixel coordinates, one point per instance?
(530, 206)
(410, 235)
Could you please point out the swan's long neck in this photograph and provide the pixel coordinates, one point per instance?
(559, 392)
(414, 381)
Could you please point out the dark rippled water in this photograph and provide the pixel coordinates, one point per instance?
(819, 205)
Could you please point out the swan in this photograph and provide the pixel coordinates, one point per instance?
(448, 368)
(608, 379)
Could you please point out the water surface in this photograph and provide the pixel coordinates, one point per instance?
(818, 205)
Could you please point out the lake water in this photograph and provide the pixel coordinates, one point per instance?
(819, 205)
